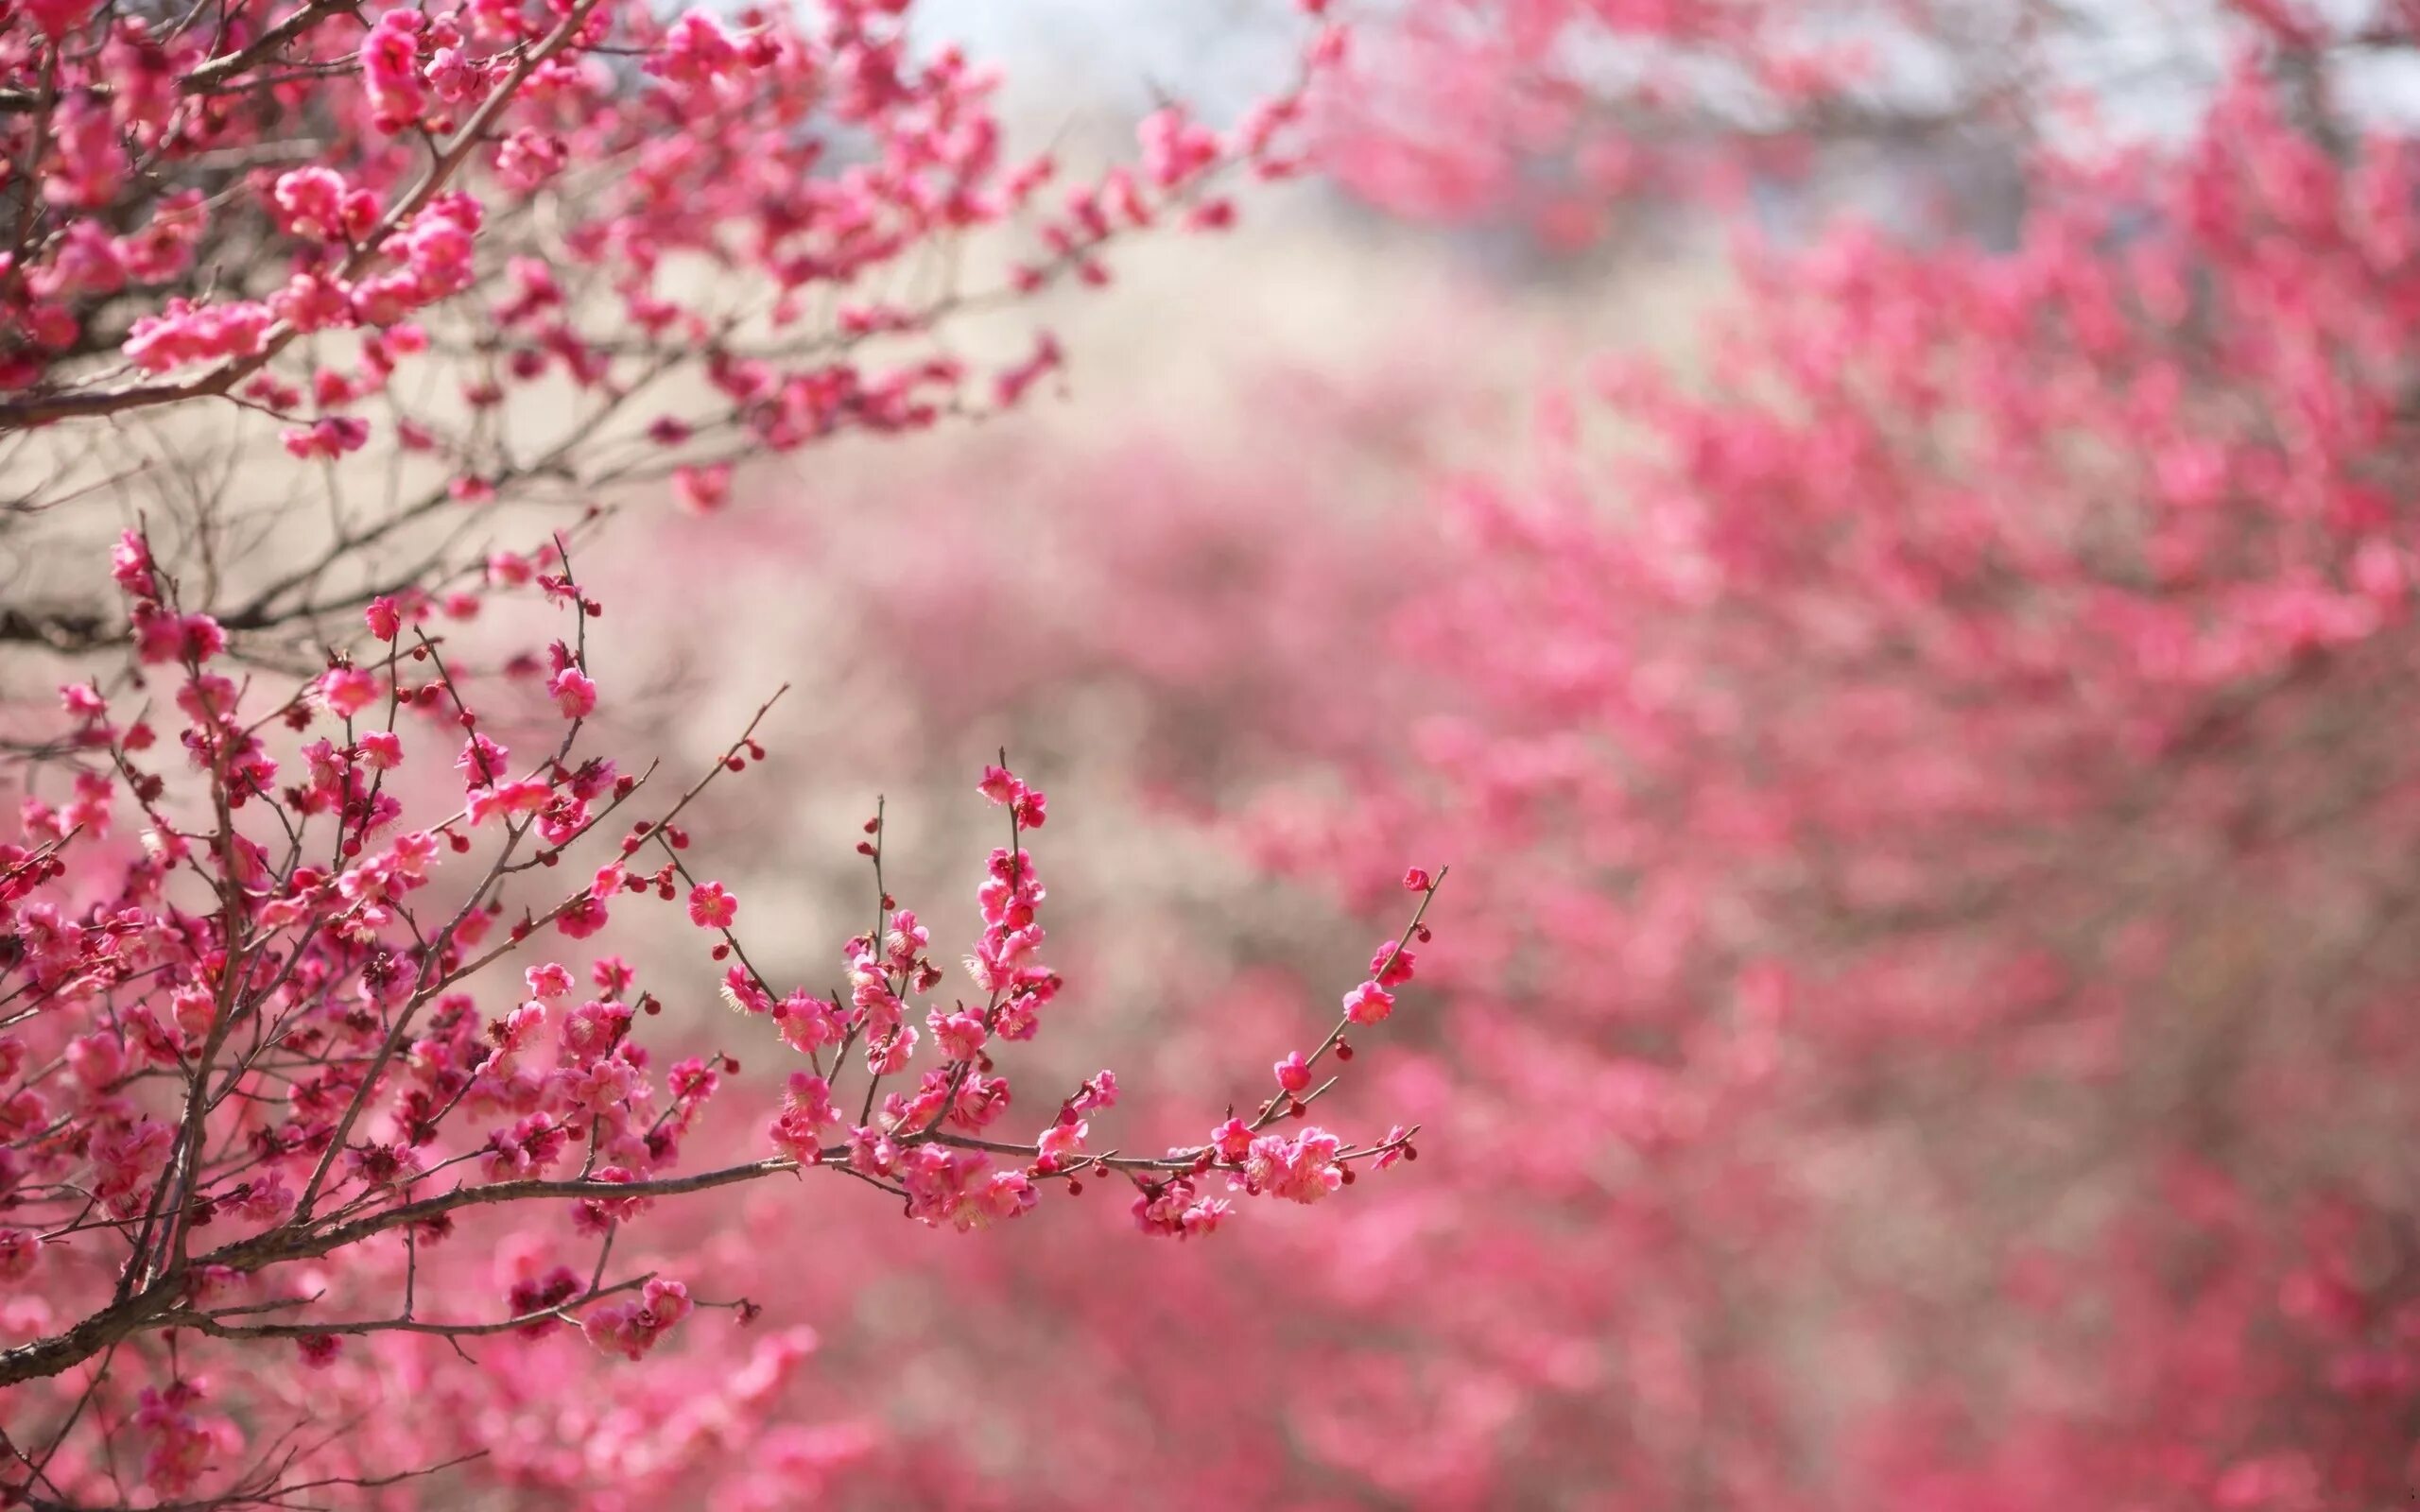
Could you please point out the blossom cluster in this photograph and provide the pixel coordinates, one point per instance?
(403, 238)
(306, 1028)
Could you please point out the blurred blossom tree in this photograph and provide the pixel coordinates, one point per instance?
(1572, 116)
(292, 1003)
(1929, 1019)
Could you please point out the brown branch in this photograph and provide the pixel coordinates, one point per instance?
(159, 1305)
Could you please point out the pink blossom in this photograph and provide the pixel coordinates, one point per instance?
(1391, 965)
(98, 1059)
(509, 800)
(346, 691)
(572, 692)
(696, 50)
(1367, 1003)
(1098, 1091)
(702, 489)
(313, 202)
(131, 564)
(390, 70)
(712, 906)
(528, 158)
(326, 439)
(632, 1327)
(1302, 1169)
(184, 333)
(1062, 1143)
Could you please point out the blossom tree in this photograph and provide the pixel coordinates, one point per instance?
(1590, 120)
(512, 253)
(308, 917)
